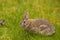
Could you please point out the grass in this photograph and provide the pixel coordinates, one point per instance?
(12, 12)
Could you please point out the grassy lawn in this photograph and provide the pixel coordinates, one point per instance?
(12, 12)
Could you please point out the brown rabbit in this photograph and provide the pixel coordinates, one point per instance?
(37, 25)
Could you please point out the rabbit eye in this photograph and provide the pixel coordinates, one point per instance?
(24, 21)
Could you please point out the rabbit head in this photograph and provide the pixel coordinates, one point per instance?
(24, 23)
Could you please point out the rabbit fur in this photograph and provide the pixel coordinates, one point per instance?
(37, 25)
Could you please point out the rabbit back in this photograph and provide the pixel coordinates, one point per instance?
(35, 25)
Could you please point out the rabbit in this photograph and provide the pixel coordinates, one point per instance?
(40, 26)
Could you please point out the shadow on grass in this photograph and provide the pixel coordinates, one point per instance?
(31, 33)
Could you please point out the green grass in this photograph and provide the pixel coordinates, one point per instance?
(12, 12)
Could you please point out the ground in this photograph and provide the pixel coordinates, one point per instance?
(12, 12)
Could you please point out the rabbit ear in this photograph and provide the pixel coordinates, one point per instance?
(26, 15)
